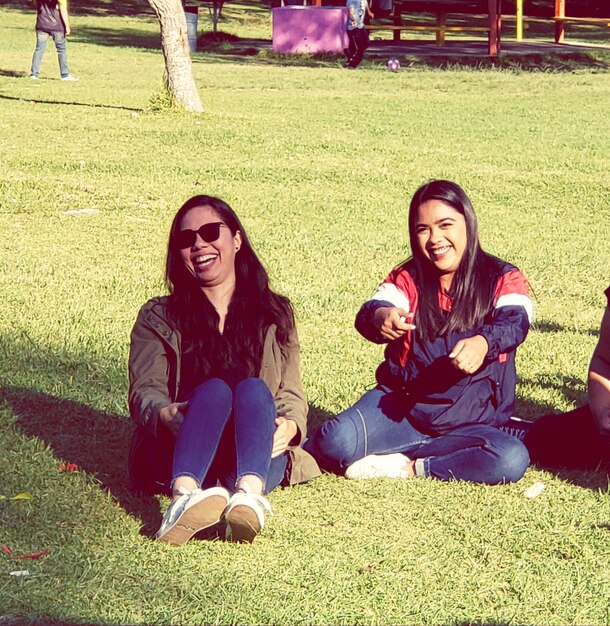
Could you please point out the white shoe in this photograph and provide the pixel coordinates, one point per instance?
(245, 516)
(379, 466)
(34, 77)
(69, 77)
(191, 512)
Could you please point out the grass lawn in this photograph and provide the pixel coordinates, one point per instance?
(320, 164)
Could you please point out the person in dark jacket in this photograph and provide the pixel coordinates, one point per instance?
(215, 382)
(452, 317)
(52, 21)
(579, 439)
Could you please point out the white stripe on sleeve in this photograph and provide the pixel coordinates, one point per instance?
(517, 299)
(389, 292)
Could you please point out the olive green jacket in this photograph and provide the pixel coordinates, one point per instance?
(154, 379)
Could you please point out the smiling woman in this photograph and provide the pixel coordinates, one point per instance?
(215, 382)
(208, 253)
(452, 317)
(441, 236)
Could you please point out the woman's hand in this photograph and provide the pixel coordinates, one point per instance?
(392, 322)
(285, 430)
(172, 416)
(468, 354)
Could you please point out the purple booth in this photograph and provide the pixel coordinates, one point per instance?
(298, 29)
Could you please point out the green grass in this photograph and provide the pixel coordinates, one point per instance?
(320, 164)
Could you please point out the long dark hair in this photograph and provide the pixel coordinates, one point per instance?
(472, 288)
(253, 308)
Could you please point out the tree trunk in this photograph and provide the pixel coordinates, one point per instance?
(179, 80)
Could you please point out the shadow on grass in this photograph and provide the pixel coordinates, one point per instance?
(123, 38)
(573, 389)
(597, 480)
(552, 327)
(98, 443)
(412, 54)
(128, 8)
(79, 104)
(567, 62)
(90, 7)
(13, 74)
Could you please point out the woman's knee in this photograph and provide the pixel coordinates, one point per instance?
(254, 388)
(334, 444)
(511, 461)
(214, 394)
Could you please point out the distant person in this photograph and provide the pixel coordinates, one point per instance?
(52, 21)
(579, 439)
(452, 317)
(356, 33)
(215, 382)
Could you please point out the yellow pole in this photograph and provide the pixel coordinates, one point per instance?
(519, 21)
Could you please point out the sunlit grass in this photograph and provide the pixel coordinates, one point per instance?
(320, 164)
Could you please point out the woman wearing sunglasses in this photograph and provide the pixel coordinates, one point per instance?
(452, 317)
(215, 382)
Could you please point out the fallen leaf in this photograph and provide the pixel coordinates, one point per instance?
(35, 555)
(20, 496)
(68, 467)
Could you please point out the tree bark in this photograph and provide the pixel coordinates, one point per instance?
(179, 80)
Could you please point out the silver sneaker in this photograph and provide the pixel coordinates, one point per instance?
(191, 512)
(245, 516)
(379, 466)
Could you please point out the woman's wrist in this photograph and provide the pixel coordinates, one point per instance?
(293, 430)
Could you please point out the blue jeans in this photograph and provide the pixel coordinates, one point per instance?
(62, 53)
(376, 424)
(570, 440)
(227, 434)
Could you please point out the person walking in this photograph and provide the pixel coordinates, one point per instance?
(356, 33)
(52, 21)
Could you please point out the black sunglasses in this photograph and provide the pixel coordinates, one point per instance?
(208, 232)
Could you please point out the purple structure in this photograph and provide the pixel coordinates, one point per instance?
(298, 29)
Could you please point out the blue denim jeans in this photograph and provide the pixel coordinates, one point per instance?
(376, 424)
(227, 433)
(61, 45)
(570, 440)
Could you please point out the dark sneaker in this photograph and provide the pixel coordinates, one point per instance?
(517, 427)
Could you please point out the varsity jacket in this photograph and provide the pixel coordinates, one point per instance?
(438, 397)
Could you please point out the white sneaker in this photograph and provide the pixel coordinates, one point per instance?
(379, 466)
(69, 77)
(245, 516)
(191, 512)
(34, 77)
